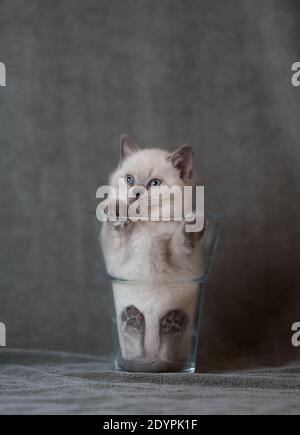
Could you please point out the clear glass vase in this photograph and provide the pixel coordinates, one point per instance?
(156, 325)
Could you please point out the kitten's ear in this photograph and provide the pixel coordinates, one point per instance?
(128, 146)
(183, 160)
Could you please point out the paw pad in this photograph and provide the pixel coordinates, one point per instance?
(133, 318)
(174, 322)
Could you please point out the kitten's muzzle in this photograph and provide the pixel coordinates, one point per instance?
(135, 193)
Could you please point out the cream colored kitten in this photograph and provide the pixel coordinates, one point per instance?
(155, 306)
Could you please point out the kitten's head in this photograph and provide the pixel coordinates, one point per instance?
(153, 167)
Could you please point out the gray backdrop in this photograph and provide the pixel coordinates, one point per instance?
(213, 73)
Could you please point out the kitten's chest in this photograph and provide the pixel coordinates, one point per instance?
(141, 253)
(148, 245)
(147, 250)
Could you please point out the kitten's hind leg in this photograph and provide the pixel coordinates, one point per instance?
(132, 333)
(175, 341)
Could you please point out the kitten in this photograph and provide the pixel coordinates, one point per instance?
(155, 306)
(152, 251)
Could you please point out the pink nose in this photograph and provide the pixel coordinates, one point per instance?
(137, 191)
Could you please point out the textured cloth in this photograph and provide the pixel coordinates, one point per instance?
(36, 382)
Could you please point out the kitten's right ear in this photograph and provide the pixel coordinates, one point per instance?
(128, 146)
(183, 160)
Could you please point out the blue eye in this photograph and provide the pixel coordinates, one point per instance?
(155, 183)
(130, 180)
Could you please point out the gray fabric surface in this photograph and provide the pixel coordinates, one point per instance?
(35, 382)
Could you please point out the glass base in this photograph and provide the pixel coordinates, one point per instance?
(137, 367)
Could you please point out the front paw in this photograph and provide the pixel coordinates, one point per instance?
(193, 229)
(119, 225)
(194, 223)
(117, 214)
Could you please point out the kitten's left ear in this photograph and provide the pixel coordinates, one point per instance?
(128, 146)
(183, 160)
